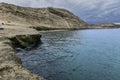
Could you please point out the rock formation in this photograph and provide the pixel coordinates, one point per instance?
(39, 18)
(11, 67)
(10, 64)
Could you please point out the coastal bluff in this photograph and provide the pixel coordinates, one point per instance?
(20, 25)
(39, 18)
(11, 67)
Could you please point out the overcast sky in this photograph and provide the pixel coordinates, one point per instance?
(91, 11)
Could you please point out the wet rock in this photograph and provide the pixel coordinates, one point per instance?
(24, 41)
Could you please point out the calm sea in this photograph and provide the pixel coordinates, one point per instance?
(76, 55)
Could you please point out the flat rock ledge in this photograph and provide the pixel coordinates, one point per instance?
(10, 64)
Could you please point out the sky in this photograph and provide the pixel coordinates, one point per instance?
(91, 11)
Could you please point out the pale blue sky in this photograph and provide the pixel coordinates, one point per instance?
(92, 11)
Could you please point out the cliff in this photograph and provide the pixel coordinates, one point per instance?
(10, 64)
(39, 18)
(11, 67)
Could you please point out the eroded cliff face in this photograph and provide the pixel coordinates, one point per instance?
(10, 64)
(40, 18)
(11, 67)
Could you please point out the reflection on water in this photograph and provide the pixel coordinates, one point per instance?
(76, 55)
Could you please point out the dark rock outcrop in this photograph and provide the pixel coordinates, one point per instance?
(24, 41)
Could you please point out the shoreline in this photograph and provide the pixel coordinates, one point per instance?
(42, 31)
(10, 62)
(11, 67)
(22, 27)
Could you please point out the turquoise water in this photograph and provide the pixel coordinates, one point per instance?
(76, 55)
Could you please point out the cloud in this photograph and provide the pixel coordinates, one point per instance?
(89, 10)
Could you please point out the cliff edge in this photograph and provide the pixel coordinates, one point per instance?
(40, 18)
(11, 67)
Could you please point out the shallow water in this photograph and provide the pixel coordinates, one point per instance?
(76, 55)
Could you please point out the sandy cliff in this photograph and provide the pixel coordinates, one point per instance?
(40, 18)
(10, 64)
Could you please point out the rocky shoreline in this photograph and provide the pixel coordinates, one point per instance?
(20, 30)
(11, 67)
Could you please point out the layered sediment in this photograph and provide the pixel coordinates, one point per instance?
(39, 18)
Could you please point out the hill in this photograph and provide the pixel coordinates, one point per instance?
(39, 18)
